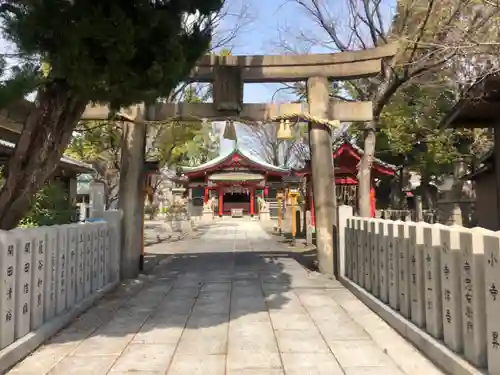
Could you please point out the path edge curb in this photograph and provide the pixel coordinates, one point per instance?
(20, 349)
(439, 354)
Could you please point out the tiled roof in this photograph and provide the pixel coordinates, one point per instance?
(221, 158)
(64, 159)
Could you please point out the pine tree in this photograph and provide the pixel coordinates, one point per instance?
(117, 52)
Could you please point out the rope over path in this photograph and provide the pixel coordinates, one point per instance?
(293, 117)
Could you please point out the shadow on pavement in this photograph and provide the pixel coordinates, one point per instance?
(191, 292)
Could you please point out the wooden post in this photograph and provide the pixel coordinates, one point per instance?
(205, 195)
(252, 201)
(131, 198)
(221, 201)
(323, 177)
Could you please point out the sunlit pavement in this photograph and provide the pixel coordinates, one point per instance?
(229, 302)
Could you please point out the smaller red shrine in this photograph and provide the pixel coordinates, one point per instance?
(347, 157)
(234, 179)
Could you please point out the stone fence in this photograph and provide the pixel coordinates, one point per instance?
(444, 281)
(49, 275)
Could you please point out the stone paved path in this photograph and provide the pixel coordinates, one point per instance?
(229, 304)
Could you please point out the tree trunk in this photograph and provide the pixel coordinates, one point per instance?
(365, 166)
(427, 200)
(389, 86)
(46, 134)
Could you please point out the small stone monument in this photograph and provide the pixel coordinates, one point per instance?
(97, 199)
(264, 211)
(179, 217)
(207, 210)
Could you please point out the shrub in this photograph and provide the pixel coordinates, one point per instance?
(50, 206)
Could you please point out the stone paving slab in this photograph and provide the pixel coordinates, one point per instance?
(226, 311)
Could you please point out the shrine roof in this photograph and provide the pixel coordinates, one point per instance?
(230, 155)
(343, 146)
(345, 143)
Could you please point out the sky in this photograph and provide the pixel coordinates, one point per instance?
(268, 25)
(274, 22)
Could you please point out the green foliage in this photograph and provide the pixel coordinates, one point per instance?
(19, 81)
(50, 206)
(122, 52)
(185, 143)
(99, 143)
(410, 129)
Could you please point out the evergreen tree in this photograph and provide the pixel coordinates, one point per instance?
(79, 51)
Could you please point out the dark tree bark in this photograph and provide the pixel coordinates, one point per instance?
(385, 91)
(46, 134)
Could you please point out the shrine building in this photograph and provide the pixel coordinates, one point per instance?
(346, 159)
(233, 180)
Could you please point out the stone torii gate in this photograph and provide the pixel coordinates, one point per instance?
(228, 75)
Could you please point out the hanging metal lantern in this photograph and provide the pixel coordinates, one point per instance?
(285, 131)
(229, 131)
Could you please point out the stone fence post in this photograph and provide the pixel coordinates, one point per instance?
(344, 213)
(445, 280)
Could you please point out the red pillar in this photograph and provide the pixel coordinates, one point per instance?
(252, 198)
(221, 201)
(372, 201)
(205, 196)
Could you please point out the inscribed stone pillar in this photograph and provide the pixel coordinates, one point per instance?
(474, 315)
(417, 282)
(97, 199)
(344, 215)
(113, 219)
(88, 259)
(38, 277)
(492, 283)
(71, 281)
(403, 242)
(367, 255)
(102, 261)
(450, 286)
(50, 273)
(8, 275)
(94, 229)
(383, 259)
(432, 274)
(24, 248)
(323, 178)
(80, 263)
(308, 228)
(348, 246)
(62, 272)
(354, 249)
(360, 256)
(393, 264)
(374, 254)
(107, 249)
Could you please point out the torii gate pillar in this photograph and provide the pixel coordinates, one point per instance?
(323, 178)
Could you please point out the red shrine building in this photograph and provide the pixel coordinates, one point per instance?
(346, 158)
(234, 179)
